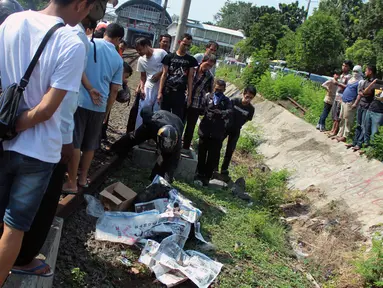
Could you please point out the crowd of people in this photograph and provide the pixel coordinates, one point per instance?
(65, 108)
(351, 96)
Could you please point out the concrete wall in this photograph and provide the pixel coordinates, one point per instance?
(292, 143)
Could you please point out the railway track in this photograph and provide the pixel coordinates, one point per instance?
(70, 203)
(290, 101)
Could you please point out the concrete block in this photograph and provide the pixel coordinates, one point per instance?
(145, 156)
(50, 251)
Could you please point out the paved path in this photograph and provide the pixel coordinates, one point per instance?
(292, 143)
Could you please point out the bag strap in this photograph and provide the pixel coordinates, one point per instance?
(25, 80)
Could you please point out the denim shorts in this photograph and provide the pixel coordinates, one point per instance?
(23, 181)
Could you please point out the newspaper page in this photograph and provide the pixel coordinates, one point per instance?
(158, 204)
(125, 227)
(165, 275)
(194, 265)
(180, 206)
(198, 234)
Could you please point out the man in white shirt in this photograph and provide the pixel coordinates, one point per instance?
(28, 159)
(34, 239)
(211, 48)
(150, 67)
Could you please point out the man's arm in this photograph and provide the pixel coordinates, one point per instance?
(164, 76)
(95, 95)
(111, 99)
(43, 111)
(142, 84)
(190, 85)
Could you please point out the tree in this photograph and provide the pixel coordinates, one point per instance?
(291, 15)
(34, 4)
(319, 44)
(235, 16)
(265, 34)
(362, 52)
(348, 14)
(370, 19)
(286, 46)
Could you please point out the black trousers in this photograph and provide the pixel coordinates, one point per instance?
(133, 115)
(191, 121)
(208, 156)
(174, 101)
(230, 148)
(35, 238)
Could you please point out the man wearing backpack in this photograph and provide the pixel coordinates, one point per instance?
(28, 160)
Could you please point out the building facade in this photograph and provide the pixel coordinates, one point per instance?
(203, 33)
(140, 18)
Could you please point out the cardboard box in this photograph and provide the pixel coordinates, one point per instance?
(117, 197)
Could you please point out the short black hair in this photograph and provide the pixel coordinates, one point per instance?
(166, 36)
(89, 24)
(143, 41)
(187, 36)
(209, 57)
(128, 68)
(337, 72)
(348, 63)
(220, 82)
(115, 30)
(210, 43)
(251, 90)
(372, 68)
(65, 3)
(99, 33)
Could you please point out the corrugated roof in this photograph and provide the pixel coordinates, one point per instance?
(213, 28)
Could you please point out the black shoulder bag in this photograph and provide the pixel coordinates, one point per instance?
(11, 96)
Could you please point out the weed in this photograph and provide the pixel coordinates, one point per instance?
(376, 148)
(78, 277)
(372, 268)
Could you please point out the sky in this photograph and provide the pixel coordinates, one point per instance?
(204, 10)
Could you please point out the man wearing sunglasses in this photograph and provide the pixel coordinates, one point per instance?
(177, 76)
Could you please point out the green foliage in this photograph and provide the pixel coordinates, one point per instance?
(230, 73)
(34, 4)
(78, 277)
(362, 52)
(286, 46)
(195, 49)
(292, 15)
(319, 44)
(376, 148)
(253, 72)
(248, 140)
(372, 268)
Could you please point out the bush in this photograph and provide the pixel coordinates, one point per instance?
(376, 148)
(288, 86)
(231, 74)
(372, 268)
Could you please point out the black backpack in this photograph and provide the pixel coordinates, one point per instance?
(11, 96)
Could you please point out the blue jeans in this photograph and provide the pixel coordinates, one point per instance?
(323, 117)
(360, 127)
(373, 122)
(23, 181)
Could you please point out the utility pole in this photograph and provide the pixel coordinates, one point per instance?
(182, 21)
(308, 9)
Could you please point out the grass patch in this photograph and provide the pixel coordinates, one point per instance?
(231, 74)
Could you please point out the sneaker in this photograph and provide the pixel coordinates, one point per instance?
(318, 126)
(322, 128)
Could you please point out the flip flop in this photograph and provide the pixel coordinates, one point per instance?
(32, 271)
(86, 185)
(69, 191)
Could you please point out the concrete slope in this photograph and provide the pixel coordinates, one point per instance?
(292, 143)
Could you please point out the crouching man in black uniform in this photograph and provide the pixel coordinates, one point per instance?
(212, 132)
(163, 127)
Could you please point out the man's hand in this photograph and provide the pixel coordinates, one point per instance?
(354, 106)
(142, 93)
(66, 153)
(156, 77)
(159, 97)
(95, 95)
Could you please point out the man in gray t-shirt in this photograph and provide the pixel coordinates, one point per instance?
(211, 48)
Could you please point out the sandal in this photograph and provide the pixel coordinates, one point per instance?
(86, 185)
(33, 270)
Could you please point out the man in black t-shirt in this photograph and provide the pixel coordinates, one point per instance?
(374, 118)
(177, 76)
(243, 111)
